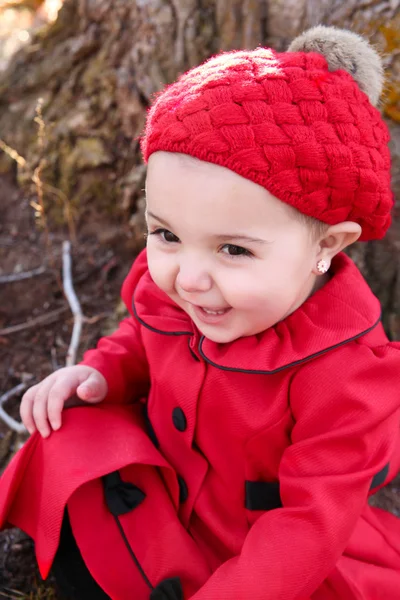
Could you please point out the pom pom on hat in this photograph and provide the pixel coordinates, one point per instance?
(301, 123)
(345, 50)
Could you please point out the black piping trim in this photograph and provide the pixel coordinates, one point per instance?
(254, 371)
(192, 353)
(153, 328)
(132, 554)
(293, 364)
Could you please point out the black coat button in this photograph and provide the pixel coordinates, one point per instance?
(183, 489)
(179, 419)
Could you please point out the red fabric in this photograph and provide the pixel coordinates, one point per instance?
(44, 476)
(311, 137)
(312, 402)
(169, 550)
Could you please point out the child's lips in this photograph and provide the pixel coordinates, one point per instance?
(210, 315)
(214, 311)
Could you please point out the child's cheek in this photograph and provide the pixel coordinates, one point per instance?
(161, 269)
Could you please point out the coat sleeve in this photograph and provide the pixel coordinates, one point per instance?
(346, 410)
(121, 357)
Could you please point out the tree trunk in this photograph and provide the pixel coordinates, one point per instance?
(99, 64)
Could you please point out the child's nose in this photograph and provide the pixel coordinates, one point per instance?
(193, 278)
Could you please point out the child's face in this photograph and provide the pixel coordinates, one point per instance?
(229, 253)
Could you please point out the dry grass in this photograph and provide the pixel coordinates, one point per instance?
(40, 592)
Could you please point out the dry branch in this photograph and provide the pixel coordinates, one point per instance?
(12, 423)
(22, 275)
(74, 304)
(45, 319)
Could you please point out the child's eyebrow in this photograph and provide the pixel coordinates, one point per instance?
(153, 216)
(219, 236)
(243, 238)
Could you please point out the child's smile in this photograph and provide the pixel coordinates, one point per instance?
(209, 315)
(230, 254)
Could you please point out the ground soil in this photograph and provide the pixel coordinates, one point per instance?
(101, 258)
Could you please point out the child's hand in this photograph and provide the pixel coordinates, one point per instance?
(42, 404)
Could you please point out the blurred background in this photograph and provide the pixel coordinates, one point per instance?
(76, 77)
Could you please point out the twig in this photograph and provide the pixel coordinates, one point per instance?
(22, 275)
(48, 318)
(40, 185)
(74, 304)
(37, 178)
(97, 318)
(12, 423)
(12, 153)
(54, 362)
(5, 592)
(45, 319)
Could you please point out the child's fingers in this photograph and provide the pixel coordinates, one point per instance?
(39, 408)
(25, 409)
(42, 405)
(93, 389)
(62, 389)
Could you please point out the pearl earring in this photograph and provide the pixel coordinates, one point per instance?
(322, 266)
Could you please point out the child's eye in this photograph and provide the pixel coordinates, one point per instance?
(233, 250)
(165, 235)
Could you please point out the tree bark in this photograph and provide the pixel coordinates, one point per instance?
(97, 67)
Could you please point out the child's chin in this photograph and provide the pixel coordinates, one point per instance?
(220, 337)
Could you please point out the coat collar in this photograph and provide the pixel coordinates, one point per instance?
(344, 309)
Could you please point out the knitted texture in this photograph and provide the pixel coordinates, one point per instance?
(309, 136)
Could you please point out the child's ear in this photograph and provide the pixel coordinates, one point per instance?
(336, 238)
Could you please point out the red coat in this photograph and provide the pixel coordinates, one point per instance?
(257, 461)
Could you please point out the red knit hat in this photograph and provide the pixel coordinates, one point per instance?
(294, 122)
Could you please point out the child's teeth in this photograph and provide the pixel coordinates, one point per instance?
(214, 312)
